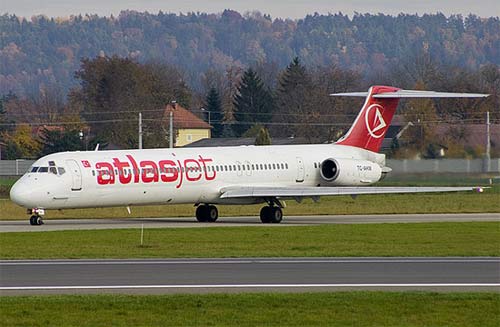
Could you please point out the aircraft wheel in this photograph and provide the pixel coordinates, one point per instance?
(265, 215)
(201, 213)
(212, 213)
(276, 215)
(36, 220)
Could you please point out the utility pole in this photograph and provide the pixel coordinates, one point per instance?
(487, 158)
(140, 130)
(171, 132)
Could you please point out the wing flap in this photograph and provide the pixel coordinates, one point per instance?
(298, 192)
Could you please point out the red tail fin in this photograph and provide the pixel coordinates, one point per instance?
(372, 122)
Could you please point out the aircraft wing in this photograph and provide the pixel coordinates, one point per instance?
(300, 192)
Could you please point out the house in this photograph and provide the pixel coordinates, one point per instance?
(187, 126)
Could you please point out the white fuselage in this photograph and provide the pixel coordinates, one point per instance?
(188, 175)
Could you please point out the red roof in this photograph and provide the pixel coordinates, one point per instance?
(183, 118)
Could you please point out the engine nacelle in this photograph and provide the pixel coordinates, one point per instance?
(344, 172)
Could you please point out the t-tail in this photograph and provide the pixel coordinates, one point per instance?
(373, 121)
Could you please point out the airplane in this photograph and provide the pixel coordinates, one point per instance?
(238, 175)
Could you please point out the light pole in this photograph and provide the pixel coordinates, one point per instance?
(205, 110)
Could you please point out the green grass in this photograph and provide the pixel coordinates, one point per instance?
(264, 309)
(421, 239)
(462, 202)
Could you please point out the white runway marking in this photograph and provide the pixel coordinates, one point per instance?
(115, 287)
(246, 261)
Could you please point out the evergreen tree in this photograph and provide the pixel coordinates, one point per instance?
(214, 114)
(293, 98)
(253, 103)
(60, 140)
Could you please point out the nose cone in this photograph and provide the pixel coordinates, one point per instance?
(20, 194)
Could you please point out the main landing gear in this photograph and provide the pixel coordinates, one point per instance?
(206, 213)
(272, 213)
(36, 216)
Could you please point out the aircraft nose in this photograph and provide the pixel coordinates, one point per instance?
(20, 194)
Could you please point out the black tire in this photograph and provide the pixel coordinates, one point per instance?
(265, 215)
(212, 213)
(276, 215)
(33, 221)
(202, 214)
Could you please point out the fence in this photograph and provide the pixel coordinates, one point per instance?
(464, 166)
(14, 167)
(405, 166)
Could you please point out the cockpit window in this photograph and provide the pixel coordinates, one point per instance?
(52, 168)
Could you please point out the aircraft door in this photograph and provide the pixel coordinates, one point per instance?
(76, 175)
(300, 170)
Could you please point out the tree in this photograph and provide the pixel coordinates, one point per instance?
(422, 113)
(293, 102)
(57, 140)
(263, 138)
(214, 114)
(21, 144)
(253, 103)
(5, 123)
(115, 90)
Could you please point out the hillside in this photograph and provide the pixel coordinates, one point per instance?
(47, 51)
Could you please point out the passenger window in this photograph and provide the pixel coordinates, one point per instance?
(261, 167)
(274, 166)
(253, 167)
(286, 165)
(93, 172)
(282, 166)
(234, 167)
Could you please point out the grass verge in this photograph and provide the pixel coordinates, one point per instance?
(422, 239)
(262, 309)
(462, 202)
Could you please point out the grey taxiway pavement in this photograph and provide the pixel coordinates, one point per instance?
(82, 224)
(248, 274)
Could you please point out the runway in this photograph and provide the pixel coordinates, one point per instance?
(248, 274)
(89, 224)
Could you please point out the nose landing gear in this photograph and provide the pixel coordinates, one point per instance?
(36, 216)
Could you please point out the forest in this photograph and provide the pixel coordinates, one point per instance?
(43, 51)
(92, 75)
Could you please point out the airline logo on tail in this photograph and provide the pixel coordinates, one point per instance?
(378, 110)
(375, 123)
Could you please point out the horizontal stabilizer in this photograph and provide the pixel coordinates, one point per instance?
(412, 94)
